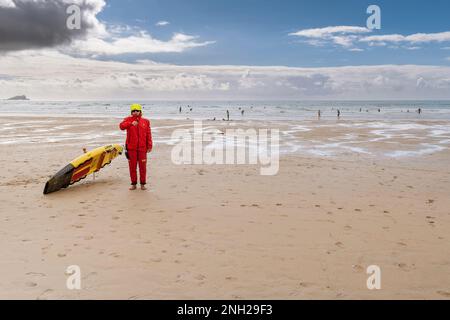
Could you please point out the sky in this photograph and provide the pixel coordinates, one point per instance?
(217, 49)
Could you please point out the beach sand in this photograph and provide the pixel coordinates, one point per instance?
(220, 232)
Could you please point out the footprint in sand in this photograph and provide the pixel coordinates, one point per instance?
(339, 244)
(200, 277)
(31, 284)
(404, 267)
(444, 293)
(41, 296)
(305, 284)
(431, 220)
(357, 268)
(430, 201)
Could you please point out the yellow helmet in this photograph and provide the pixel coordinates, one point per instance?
(135, 107)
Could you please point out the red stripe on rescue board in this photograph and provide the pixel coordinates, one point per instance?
(80, 174)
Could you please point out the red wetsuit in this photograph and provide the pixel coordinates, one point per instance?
(139, 142)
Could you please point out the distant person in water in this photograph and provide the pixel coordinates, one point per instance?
(139, 142)
(339, 113)
(180, 109)
(242, 112)
(228, 115)
(419, 111)
(319, 114)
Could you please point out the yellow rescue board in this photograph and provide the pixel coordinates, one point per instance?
(83, 166)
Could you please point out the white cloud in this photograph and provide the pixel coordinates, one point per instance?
(68, 78)
(343, 36)
(412, 39)
(348, 37)
(140, 43)
(329, 31)
(162, 23)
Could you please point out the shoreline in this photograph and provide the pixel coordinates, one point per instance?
(321, 138)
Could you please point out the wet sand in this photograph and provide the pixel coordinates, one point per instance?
(224, 232)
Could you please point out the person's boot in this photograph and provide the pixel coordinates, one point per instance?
(133, 187)
(143, 187)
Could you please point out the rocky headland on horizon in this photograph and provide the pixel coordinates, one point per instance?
(22, 97)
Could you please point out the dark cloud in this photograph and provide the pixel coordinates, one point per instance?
(42, 23)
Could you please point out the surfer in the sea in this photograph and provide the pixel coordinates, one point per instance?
(139, 143)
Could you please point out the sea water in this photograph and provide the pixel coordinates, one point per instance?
(252, 110)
